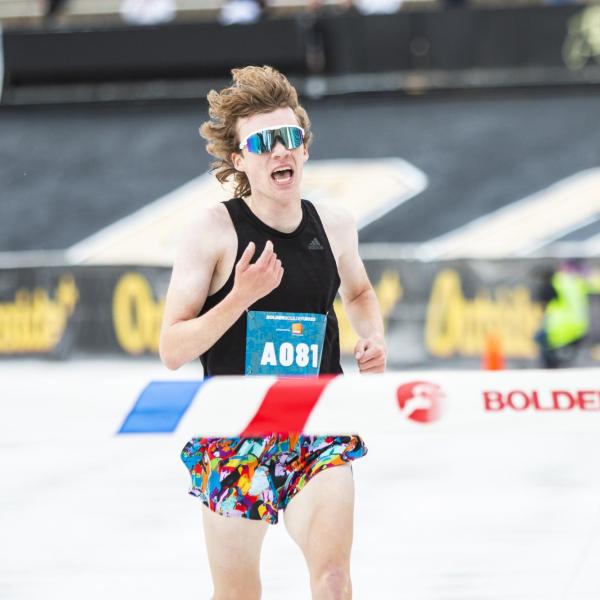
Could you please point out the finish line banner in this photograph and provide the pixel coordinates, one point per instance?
(504, 401)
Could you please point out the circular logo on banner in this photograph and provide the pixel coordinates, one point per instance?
(420, 401)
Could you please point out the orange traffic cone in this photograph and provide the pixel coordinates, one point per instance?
(493, 358)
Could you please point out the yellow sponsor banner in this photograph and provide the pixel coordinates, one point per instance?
(459, 326)
(137, 315)
(389, 292)
(427, 311)
(453, 324)
(35, 321)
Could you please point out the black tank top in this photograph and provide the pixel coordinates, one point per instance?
(309, 285)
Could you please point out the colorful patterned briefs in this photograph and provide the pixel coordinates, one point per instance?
(256, 477)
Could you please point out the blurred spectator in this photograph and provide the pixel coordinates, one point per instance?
(564, 296)
(147, 12)
(318, 7)
(378, 7)
(315, 34)
(241, 11)
(52, 8)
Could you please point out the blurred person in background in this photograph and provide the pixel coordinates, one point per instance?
(564, 295)
(52, 8)
(378, 7)
(147, 12)
(236, 12)
(319, 7)
(250, 270)
(315, 35)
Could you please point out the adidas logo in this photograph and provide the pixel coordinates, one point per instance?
(315, 245)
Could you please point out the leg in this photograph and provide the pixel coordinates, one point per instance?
(320, 520)
(547, 355)
(233, 545)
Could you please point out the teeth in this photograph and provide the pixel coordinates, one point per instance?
(286, 173)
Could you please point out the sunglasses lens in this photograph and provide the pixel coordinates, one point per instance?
(290, 136)
(255, 144)
(263, 141)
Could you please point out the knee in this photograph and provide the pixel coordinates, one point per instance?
(332, 583)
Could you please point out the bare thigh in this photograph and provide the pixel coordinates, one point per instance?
(320, 520)
(233, 545)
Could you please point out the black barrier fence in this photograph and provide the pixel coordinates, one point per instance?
(554, 39)
(435, 312)
(448, 40)
(168, 52)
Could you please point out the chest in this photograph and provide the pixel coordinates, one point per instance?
(310, 278)
(310, 267)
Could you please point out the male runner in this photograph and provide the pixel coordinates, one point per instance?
(254, 275)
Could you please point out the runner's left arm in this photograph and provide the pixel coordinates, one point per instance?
(359, 299)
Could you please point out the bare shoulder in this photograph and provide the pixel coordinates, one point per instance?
(206, 232)
(335, 216)
(340, 227)
(207, 237)
(202, 245)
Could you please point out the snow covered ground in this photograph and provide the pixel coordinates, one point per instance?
(88, 514)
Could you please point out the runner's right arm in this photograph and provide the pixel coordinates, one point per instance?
(185, 335)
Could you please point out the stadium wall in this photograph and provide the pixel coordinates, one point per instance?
(444, 48)
(434, 311)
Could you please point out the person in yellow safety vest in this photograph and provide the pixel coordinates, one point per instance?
(566, 314)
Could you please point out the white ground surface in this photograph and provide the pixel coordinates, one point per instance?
(88, 515)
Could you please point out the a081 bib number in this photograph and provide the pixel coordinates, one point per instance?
(288, 354)
(281, 343)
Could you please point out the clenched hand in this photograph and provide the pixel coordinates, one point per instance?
(371, 354)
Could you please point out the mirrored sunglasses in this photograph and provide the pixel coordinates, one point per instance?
(264, 140)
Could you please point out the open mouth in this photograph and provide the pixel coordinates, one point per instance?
(283, 174)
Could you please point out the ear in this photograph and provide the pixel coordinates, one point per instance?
(237, 160)
(305, 153)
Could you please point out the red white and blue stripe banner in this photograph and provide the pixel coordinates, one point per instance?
(561, 400)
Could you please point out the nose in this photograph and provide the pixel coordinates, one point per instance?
(279, 148)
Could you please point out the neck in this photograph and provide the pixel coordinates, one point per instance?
(283, 215)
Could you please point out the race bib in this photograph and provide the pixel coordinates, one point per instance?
(280, 343)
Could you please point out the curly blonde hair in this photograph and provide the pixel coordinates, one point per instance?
(255, 90)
